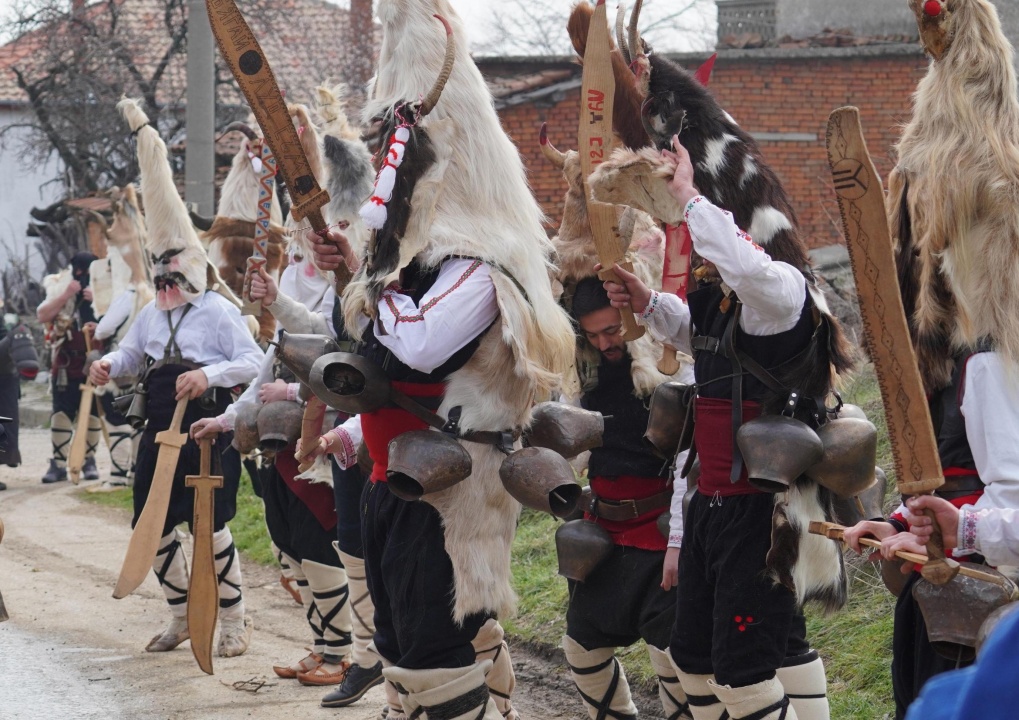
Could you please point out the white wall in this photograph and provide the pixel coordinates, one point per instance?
(21, 189)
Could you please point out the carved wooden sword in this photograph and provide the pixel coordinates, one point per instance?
(247, 62)
(203, 589)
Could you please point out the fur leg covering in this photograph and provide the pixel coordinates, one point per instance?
(761, 701)
(489, 644)
(171, 569)
(94, 435)
(293, 567)
(806, 685)
(234, 629)
(61, 431)
(600, 680)
(362, 610)
(445, 693)
(669, 689)
(704, 704)
(331, 595)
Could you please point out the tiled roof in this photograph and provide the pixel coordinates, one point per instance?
(315, 26)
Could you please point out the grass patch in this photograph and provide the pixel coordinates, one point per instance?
(855, 642)
(248, 526)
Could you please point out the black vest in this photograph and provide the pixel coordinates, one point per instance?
(949, 423)
(713, 371)
(416, 283)
(623, 451)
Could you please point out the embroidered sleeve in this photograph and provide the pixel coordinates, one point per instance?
(969, 517)
(651, 305)
(226, 421)
(292, 392)
(347, 438)
(459, 307)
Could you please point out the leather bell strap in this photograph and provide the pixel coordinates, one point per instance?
(499, 439)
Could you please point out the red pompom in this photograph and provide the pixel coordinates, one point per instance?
(932, 8)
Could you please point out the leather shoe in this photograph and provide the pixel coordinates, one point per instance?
(358, 681)
(55, 473)
(89, 471)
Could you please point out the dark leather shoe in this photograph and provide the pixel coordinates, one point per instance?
(3, 486)
(89, 471)
(54, 474)
(359, 680)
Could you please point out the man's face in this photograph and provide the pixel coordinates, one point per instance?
(604, 330)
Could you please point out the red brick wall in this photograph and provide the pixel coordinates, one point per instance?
(765, 96)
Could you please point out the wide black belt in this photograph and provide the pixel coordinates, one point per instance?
(623, 510)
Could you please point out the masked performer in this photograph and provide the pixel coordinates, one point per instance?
(190, 343)
(952, 202)
(454, 303)
(65, 312)
(122, 286)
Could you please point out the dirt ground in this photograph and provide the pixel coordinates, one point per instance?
(71, 651)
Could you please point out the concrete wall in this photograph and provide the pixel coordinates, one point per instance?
(22, 187)
(803, 18)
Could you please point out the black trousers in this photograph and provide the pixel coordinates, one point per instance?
(10, 393)
(225, 460)
(292, 526)
(67, 399)
(410, 578)
(622, 602)
(914, 660)
(731, 619)
(348, 486)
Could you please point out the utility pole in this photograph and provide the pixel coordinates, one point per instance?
(360, 48)
(200, 157)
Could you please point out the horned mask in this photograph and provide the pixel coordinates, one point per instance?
(178, 258)
(935, 20)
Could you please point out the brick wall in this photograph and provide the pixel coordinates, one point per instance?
(767, 94)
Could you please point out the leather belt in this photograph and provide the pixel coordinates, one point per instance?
(959, 486)
(623, 510)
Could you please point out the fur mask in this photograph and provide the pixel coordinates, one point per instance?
(178, 258)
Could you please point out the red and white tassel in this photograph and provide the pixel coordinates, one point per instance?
(374, 212)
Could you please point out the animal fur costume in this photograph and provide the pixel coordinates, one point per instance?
(471, 199)
(731, 172)
(181, 270)
(231, 238)
(644, 243)
(954, 193)
(126, 267)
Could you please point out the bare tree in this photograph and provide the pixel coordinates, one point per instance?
(538, 27)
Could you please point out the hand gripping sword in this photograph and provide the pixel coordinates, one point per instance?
(596, 97)
(203, 590)
(141, 551)
(250, 67)
(861, 200)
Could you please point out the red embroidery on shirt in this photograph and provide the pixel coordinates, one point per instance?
(431, 303)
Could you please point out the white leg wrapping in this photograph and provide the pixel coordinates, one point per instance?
(94, 435)
(362, 610)
(669, 690)
(394, 705)
(807, 687)
(122, 450)
(600, 680)
(171, 568)
(234, 627)
(704, 704)
(293, 567)
(331, 593)
(761, 701)
(446, 693)
(489, 644)
(61, 431)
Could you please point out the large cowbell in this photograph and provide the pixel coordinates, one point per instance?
(299, 352)
(581, 545)
(777, 450)
(566, 429)
(850, 451)
(670, 421)
(350, 383)
(954, 612)
(279, 425)
(422, 462)
(542, 480)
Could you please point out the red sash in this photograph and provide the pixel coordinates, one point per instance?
(318, 497)
(713, 436)
(641, 532)
(382, 426)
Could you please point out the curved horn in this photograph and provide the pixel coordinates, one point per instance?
(621, 34)
(240, 127)
(549, 150)
(202, 223)
(447, 68)
(636, 43)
